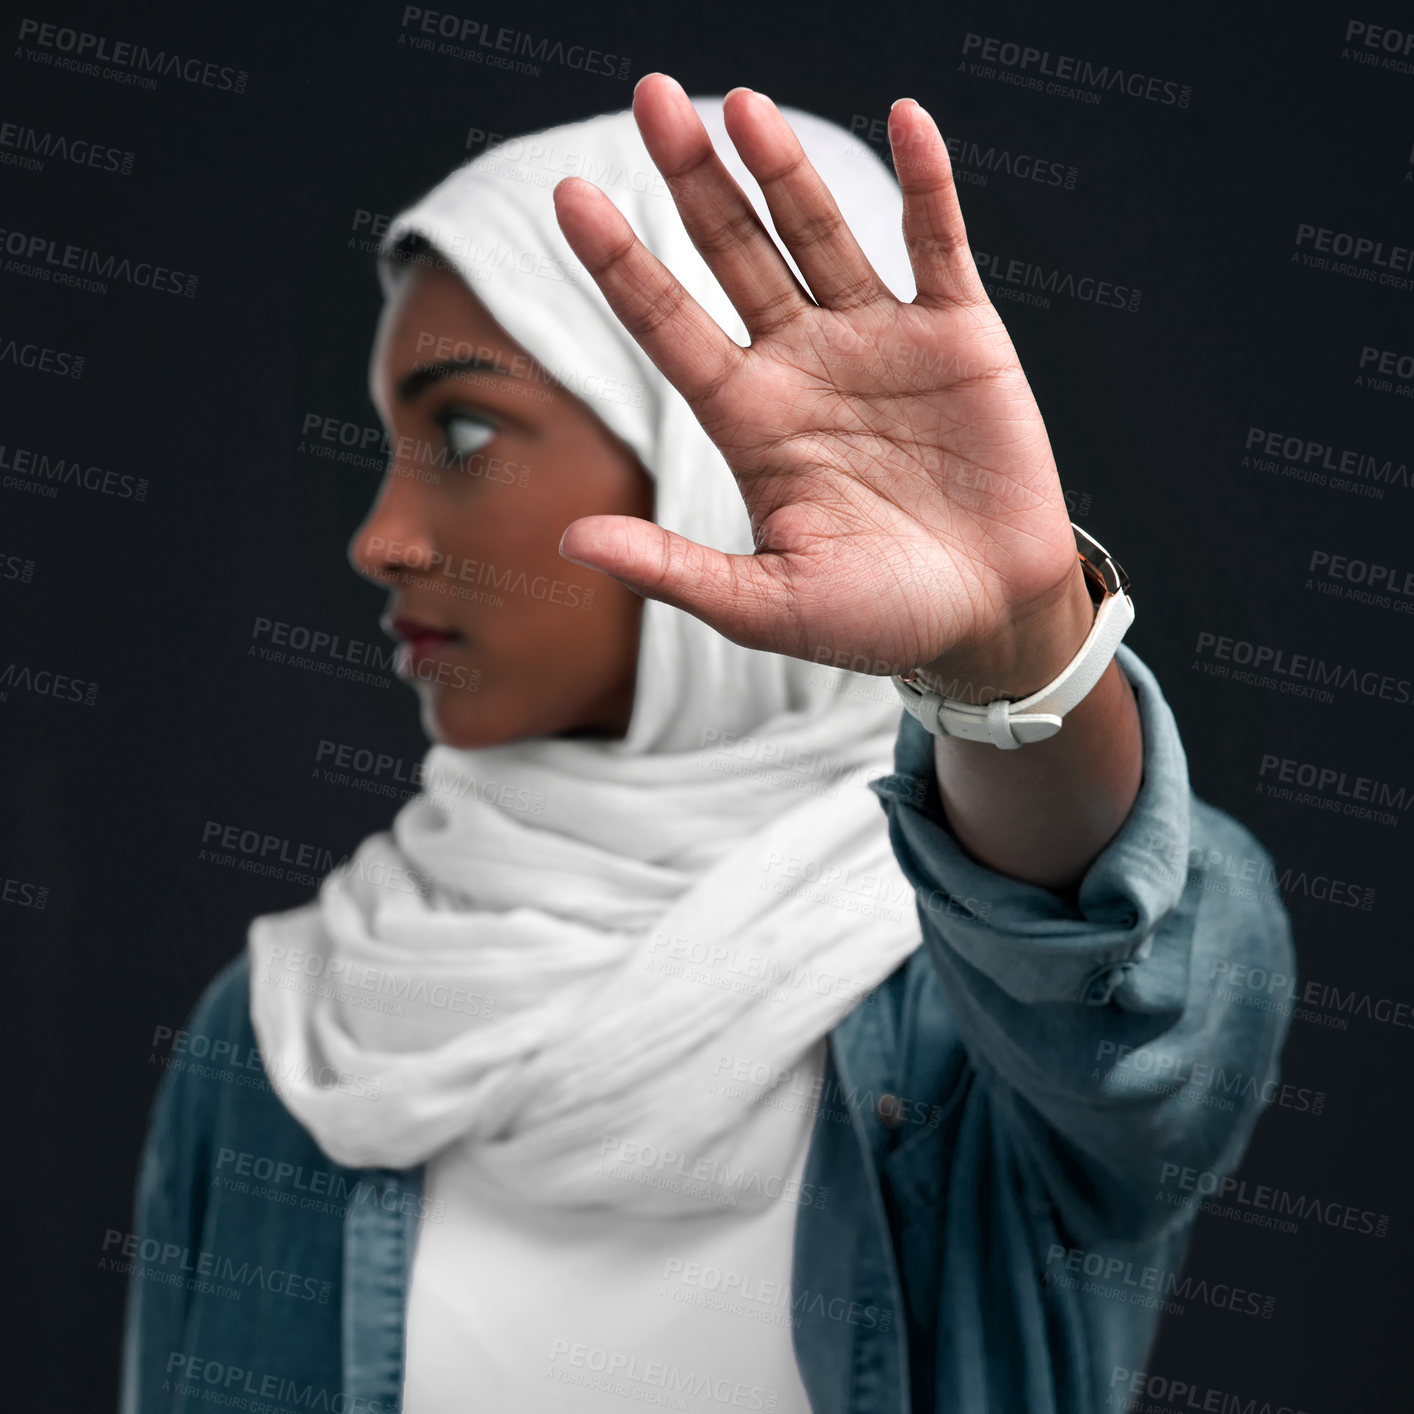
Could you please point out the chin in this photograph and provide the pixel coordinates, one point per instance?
(439, 729)
(450, 720)
(460, 739)
(464, 730)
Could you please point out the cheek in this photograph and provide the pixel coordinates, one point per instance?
(560, 619)
(577, 634)
(531, 614)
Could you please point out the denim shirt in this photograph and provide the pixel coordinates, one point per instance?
(995, 1224)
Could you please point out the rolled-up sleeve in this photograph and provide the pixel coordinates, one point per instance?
(1097, 1017)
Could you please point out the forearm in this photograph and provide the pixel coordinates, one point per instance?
(1041, 813)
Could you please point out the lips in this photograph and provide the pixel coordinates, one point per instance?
(421, 640)
(415, 631)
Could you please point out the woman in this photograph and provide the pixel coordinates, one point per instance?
(643, 1059)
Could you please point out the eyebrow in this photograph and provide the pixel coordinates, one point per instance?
(424, 376)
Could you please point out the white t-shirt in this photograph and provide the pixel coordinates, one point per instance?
(515, 1307)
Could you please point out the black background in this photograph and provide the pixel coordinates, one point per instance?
(257, 194)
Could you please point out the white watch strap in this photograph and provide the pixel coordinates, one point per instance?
(1009, 724)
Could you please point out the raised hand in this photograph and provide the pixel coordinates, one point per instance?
(905, 504)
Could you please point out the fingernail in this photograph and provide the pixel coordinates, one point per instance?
(897, 101)
(572, 558)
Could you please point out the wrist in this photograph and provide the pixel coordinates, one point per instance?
(1032, 650)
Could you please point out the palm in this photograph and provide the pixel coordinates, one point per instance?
(892, 460)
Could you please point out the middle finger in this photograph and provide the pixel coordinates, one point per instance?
(719, 218)
(802, 209)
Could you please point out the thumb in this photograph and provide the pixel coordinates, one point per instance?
(738, 595)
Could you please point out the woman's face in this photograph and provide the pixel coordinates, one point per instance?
(500, 635)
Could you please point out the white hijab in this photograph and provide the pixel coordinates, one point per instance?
(565, 944)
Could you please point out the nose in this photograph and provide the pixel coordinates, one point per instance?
(396, 537)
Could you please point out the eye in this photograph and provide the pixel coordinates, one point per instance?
(466, 432)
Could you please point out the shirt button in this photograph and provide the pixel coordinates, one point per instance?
(890, 1110)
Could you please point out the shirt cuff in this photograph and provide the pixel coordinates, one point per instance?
(1036, 943)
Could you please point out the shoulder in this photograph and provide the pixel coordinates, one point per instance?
(223, 1008)
(215, 1038)
(216, 1032)
(215, 1093)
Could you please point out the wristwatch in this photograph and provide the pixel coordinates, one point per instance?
(1009, 723)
